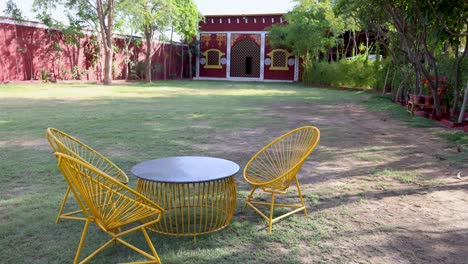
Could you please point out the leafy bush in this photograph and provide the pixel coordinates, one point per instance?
(355, 72)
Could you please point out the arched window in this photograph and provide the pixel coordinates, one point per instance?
(213, 59)
(279, 59)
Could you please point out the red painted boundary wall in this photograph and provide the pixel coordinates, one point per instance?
(28, 48)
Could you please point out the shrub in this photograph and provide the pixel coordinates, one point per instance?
(355, 72)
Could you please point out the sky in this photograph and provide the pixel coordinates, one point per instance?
(206, 7)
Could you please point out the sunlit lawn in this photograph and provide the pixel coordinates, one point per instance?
(136, 122)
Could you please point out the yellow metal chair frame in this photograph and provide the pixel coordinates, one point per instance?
(109, 204)
(64, 143)
(275, 167)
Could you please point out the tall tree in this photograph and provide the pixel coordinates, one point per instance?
(152, 16)
(314, 17)
(411, 29)
(188, 17)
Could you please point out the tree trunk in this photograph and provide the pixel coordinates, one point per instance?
(108, 66)
(106, 33)
(354, 44)
(170, 53)
(181, 62)
(392, 84)
(385, 82)
(345, 52)
(16, 53)
(190, 61)
(456, 89)
(461, 116)
(367, 43)
(417, 80)
(165, 60)
(149, 37)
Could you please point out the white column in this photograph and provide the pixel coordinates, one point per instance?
(198, 57)
(262, 56)
(228, 56)
(296, 69)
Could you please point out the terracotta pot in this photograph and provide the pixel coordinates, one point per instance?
(418, 99)
(421, 113)
(439, 117)
(428, 100)
(449, 123)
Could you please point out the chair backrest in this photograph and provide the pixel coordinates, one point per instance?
(111, 203)
(276, 165)
(62, 142)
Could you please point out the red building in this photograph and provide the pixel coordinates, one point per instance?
(235, 47)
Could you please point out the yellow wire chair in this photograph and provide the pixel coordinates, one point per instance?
(275, 167)
(64, 143)
(109, 204)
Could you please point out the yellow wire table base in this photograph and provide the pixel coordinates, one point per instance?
(198, 194)
(191, 209)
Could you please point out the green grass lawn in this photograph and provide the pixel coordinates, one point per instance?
(130, 123)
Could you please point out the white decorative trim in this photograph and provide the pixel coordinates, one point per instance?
(228, 55)
(240, 79)
(234, 32)
(85, 31)
(197, 74)
(23, 23)
(262, 56)
(296, 69)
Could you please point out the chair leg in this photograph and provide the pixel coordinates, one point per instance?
(80, 245)
(272, 207)
(250, 196)
(150, 244)
(300, 196)
(64, 200)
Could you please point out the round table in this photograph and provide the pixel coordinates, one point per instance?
(198, 193)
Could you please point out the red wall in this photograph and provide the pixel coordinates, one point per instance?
(26, 50)
(277, 74)
(213, 41)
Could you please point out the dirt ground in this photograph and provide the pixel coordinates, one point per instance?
(391, 195)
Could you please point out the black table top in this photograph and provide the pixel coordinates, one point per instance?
(185, 169)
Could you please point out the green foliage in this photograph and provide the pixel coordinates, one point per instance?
(356, 72)
(311, 27)
(13, 11)
(187, 18)
(76, 73)
(139, 69)
(158, 68)
(44, 76)
(72, 31)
